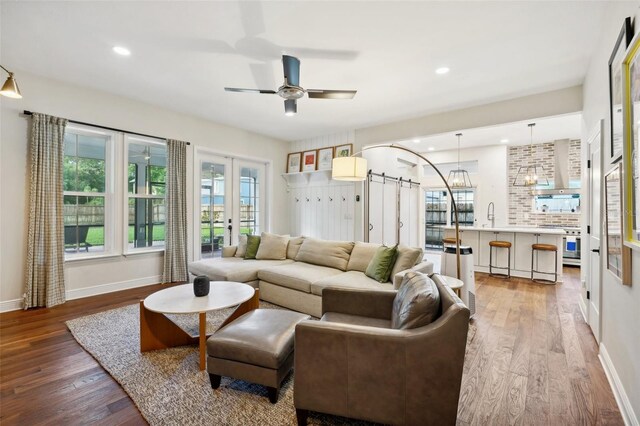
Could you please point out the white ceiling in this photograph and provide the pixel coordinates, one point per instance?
(184, 53)
(546, 129)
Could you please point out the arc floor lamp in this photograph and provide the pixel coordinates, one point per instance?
(354, 168)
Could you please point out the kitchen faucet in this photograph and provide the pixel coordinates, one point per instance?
(491, 214)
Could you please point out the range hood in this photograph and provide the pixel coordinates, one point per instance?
(560, 171)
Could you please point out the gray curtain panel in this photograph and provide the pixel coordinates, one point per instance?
(175, 234)
(45, 241)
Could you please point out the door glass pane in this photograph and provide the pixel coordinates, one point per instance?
(249, 201)
(435, 218)
(212, 212)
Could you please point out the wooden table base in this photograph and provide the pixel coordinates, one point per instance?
(159, 332)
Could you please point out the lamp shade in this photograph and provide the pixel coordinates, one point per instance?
(10, 88)
(349, 168)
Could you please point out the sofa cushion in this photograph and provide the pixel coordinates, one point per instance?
(350, 279)
(416, 303)
(294, 247)
(407, 258)
(380, 266)
(298, 275)
(253, 244)
(361, 255)
(242, 246)
(355, 320)
(333, 254)
(272, 247)
(232, 268)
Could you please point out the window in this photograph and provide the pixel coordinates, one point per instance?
(146, 189)
(464, 201)
(435, 218)
(87, 173)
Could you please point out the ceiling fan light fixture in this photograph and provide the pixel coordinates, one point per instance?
(290, 107)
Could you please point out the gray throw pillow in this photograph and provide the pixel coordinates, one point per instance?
(272, 247)
(417, 302)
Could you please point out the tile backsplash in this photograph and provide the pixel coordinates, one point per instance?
(520, 198)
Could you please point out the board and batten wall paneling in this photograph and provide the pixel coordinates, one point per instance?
(322, 208)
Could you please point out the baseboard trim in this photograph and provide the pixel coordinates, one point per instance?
(80, 293)
(628, 415)
(11, 305)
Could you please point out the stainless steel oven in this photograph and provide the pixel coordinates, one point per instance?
(571, 247)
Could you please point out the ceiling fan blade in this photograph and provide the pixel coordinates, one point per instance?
(291, 67)
(236, 89)
(331, 94)
(290, 107)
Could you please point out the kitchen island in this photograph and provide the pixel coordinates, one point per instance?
(521, 239)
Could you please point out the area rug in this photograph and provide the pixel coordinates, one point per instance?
(167, 386)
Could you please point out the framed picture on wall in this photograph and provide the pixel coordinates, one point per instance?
(631, 148)
(309, 161)
(616, 89)
(293, 162)
(325, 158)
(344, 150)
(613, 220)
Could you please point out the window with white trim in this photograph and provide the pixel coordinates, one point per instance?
(88, 209)
(146, 168)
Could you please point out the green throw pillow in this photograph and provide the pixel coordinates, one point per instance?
(382, 263)
(253, 242)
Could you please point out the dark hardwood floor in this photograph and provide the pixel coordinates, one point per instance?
(531, 360)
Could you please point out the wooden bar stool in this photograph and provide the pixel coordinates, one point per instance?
(545, 247)
(497, 245)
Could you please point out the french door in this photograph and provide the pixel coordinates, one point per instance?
(231, 201)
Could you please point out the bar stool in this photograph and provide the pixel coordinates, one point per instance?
(545, 247)
(497, 245)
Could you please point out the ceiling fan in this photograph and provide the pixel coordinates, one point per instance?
(290, 91)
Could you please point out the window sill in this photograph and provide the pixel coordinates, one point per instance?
(91, 257)
(142, 251)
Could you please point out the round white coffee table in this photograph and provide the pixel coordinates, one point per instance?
(158, 331)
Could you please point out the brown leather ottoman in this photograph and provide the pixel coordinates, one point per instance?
(257, 347)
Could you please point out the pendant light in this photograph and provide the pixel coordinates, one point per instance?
(532, 174)
(459, 178)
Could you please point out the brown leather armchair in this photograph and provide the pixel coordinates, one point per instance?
(352, 364)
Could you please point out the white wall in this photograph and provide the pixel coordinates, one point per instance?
(320, 207)
(620, 314)
(491, 180)
(76, 103)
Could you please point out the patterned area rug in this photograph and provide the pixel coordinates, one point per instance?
(167, 385)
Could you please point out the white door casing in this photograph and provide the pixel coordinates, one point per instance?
(591, 293)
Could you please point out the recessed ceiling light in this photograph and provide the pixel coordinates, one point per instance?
(442, 70)
(416, 140)
(430, 148)
(121, 50)
(504, 140)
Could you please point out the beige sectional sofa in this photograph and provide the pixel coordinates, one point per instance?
(311, 265)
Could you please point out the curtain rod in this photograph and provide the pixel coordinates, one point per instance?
(113, 129)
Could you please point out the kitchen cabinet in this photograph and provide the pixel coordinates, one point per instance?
(521, 239)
